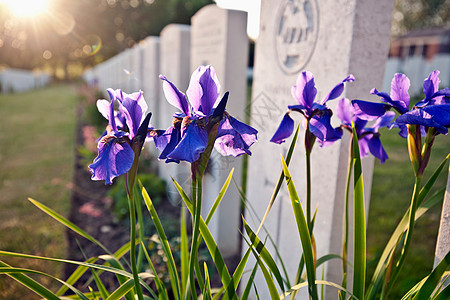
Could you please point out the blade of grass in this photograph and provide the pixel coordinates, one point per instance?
(264, 254)
(211, 245)
(444, 294)
(248, 286)
(31, 284)
(174, 280)
(280, 179)
(101, 287)
(11, 270)
(433, 279)
(122, 290)
(159, 285)
(303, 230)
(378, 275)
(184, 249)
(359, 260)
(321, 282)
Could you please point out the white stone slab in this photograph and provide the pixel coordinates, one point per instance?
(443, 239)
(175, 56)
(150, 82)
(219, 38)
(331, 39)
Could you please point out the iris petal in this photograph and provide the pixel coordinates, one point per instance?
(338, 89)
(174, 96)
(437, 116)
(399, 92)
(376, 148)
(115, 157)
(284, 130)
(192, 144)
(203, 90)
(305, 91)
(321, 127)
(369, 110)
(234, 137)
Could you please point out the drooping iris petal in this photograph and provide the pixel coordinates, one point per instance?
(321, 127)
(115, 157)
(338, 89)
(133, 107)
(369, 110)
(203, 90)
(399, 92)
(376, 148)
(284, 130)
(167, 143)
(234, 137)
(363, 144)
(437, 116)
(174, 96)
(192, 144)
(305, 90)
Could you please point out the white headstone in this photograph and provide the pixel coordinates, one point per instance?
(219, 38)
(150, 82)
(331, 39)
(175, 49)
(443, 239)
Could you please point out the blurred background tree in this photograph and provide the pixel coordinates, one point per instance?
(69, 36)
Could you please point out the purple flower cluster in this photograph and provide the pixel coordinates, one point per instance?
(204, 117)
(432, 111)
(187, 139)
(117, 147)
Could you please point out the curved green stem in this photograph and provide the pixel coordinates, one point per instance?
(133, 242)
(409, 233)
(308, 191)
(346, 215)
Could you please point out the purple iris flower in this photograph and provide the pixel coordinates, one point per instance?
(187, 139)
(117, 148)
(368, 137)
(317, 114)
(430, 112)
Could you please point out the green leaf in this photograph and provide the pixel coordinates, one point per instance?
(11, 270)
(321, 282)
(250, 280)
(264, 253)
(122, 290)
(359, 274)
(89, 265)
(219, 197)
(444, 294)
(174, 280)
(184, 249)
(76, 275)
(159, 285)
(101, 287)
(433, 280)
(427, 187)
(30, 283)
(303, 230)
(67, 223)
(388, 251)
(280, 179)
(211, 245)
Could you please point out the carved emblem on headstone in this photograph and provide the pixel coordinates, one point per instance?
(295, 34)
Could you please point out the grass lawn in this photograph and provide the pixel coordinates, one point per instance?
(36, 160)
(391, 194)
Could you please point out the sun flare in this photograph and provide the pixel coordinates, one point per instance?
(26, 8)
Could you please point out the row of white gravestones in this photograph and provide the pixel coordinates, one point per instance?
(217, 37)
(331, 39)
(16, 80)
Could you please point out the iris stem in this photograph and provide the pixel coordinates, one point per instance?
(346, 218)
(409, 233)
(134, 269)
